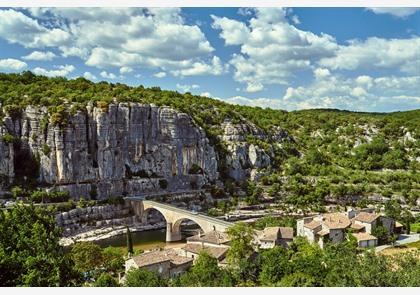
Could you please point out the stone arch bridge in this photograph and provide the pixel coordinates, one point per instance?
(175, 216)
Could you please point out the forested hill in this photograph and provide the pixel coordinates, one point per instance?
(345, 147)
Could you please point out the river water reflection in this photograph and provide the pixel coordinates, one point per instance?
(144, 240)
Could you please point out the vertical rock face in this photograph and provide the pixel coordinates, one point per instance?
(128, 149)
(244, 159)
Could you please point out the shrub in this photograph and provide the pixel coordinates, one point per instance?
(195, 169)
(163, 183)
(8, 138)
(46, 149)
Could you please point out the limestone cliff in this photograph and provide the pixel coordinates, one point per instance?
(127, 149)
(123, 149)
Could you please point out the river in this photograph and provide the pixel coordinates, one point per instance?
(144, 240)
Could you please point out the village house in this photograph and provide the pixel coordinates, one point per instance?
(214, 242)
(168, 263)
(331, 227)
(274, 236)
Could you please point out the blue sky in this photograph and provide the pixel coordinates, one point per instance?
(347, 58)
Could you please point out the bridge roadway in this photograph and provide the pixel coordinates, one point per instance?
(174, 217)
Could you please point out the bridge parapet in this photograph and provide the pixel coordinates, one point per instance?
(174, 217)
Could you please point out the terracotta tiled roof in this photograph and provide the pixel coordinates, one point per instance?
(270, 233)
(357, 226)
(217, 252)
(323, 232)
(312, 225)
(364, 237)
(286, 232)
(366, 217)
(336, 220)
(159, 256)
(212, 237)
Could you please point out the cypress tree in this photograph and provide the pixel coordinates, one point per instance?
(129, 242)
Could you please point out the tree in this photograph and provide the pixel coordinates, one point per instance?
(298, 279)
(393, 209)
(381, 233)
(240, 256)
(129, 242)
(87, 257)
(274, 266)
(113, 259)
(106, 280)
(143, 278)
(30, 254)
(206, 273)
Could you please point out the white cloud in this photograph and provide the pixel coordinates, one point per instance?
(187, 88)
(215, 67)
(89, 76)
(272, 50)
(16, 27)
(206, 94)
(401, 12)
(386, 94)
(125, 70)
(254, 87)
(321, 73)
(233, 32)
(59, 71)
(156, 38)
(363, 93)
(160, 75)
(402, 54)
(40, 55)
(107, 75)
(11, 64)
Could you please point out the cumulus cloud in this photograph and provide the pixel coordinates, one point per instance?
(402, 54)
(16, 27)
(232, 31)
(106, 75)
(89, 76)
(160, 75)
(187, 88)
(214, 67)
(59, 71)
(123, 38)
(206, 94)
(401, 12)
(40, 56)
(12, 65)
(363, 93)
(125, 70)
(385, 94)
(271, 49)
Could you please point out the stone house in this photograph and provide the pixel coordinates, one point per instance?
(331, 227)
(274, 236)
(168, 263)
(216, 243)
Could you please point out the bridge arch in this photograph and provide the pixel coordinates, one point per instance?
(175, 216)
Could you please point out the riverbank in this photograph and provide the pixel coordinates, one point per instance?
(107, 232)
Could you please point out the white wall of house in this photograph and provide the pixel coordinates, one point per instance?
(368, 243)
(267, 244)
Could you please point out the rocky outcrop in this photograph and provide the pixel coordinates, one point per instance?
(244, 158)
(129, 148)
(83, 219)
